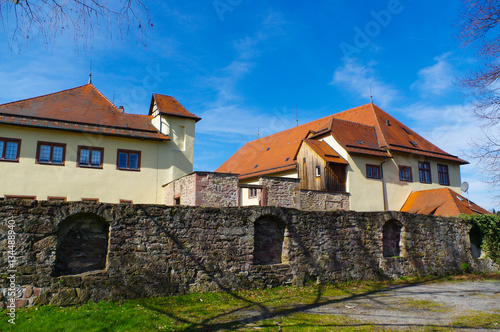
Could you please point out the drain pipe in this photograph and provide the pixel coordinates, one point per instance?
(384, 189)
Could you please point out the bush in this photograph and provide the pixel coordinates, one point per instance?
(485, 233)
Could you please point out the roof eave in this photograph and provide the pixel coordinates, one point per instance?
(164, 138)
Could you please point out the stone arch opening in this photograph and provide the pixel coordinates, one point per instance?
(270, 241)
(476, 241)
(391, 238)
(82, 244)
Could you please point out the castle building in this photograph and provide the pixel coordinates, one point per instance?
(77, 145)
(364, 153)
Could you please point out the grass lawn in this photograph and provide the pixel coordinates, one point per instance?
(263, 310)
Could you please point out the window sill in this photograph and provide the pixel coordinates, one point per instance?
(10, 160)
(129, 170)
(49, 164)
(92, 167)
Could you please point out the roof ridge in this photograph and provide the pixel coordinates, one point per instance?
(109, 101)
(378, 128)
(46, 95)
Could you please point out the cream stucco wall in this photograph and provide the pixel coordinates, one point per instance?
(161, 162)
(368, 194)
(398, 191)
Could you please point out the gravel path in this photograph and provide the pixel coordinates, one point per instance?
(412, 306)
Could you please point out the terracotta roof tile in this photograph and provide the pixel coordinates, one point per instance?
(170, 105)
(271, 153)
(440, 202)
(364, 130)
(393, 134)
(78, 109)
(325, 151)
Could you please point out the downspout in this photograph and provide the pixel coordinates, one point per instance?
(384, 189)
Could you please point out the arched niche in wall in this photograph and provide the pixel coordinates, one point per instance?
(82, 244)
(476, 241)
(270, 241)
(391, 238)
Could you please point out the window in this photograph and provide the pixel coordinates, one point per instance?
(128, 160)
(405, 174)
(56, 199)
(10, 149)
(93, 200)
(21, 197)
(373, 171)
(126, 201)
(424, 171)
(50, 153)
(444, 178)
(88, 156)
(252, 193)
(318, 171)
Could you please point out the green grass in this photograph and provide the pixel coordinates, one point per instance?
(262, 310)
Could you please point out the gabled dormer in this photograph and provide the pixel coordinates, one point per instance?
(170, 118)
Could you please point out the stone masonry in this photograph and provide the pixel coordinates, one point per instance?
(311, 200)
(156, 250)
(211, 189)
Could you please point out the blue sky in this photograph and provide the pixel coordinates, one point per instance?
(247, 66)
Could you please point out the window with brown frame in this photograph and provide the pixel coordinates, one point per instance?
(424, 172)
(89, 157)
(405, 174)
(10, 148)
(252, 192)
(443, 175)
(128, 160)
(56, 199)
(373, 171)
(318, 171)
(95, 200)
(126, 201)
(50, 153)
(21, 197)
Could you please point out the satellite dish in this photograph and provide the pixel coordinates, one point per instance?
(464, 187)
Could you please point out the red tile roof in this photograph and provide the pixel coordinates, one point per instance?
(325, 151)
(364, 130)
(393, 134)
(82, 109)
(170, 105)
(440, 202)
(272, 153)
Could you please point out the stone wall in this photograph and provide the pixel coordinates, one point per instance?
(212, 189)
(216, 189)
(155, 250)
(203, 189)
(182, 189)
(280, 191)
(311, 200)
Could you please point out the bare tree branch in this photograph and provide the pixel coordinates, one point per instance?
(47, 19)
(479, 25)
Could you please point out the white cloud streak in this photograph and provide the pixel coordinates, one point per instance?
(363, 81)
(436, 79)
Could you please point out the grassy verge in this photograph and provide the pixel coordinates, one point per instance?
(288, 308)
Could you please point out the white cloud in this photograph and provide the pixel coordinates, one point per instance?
(435, 79)
(363, 81)
(228, 114)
